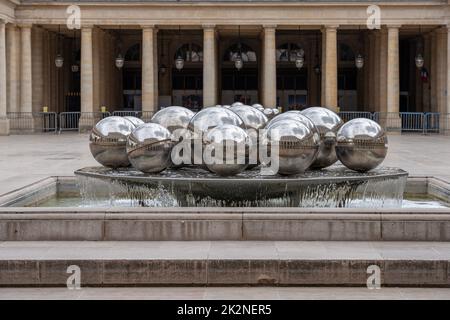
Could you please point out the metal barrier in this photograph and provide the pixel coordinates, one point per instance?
(69, 121)
(413, 122)
(46, 121)
(350, 115)
(147, 115)
(127, 113)
(432, 122)
(21, 121)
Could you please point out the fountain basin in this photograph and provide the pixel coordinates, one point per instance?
(336, 186)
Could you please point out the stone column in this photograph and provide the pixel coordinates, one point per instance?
(38, 69)
(329, 82)
(448, 72)
(426, 86)
(4, 122)
(393, 79)
(87, 80)
(382, 70)
(269, 87)
(442, 73)
(148, 72)
(25, 74)
(13, 74)
(209, 66)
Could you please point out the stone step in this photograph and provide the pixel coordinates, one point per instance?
(215, 263)
(230, 224)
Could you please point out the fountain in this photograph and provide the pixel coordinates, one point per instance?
(229, 140)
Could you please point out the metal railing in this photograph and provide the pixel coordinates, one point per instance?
(402, 122)
(350, 115)
(127, 113)
(46, 121)
(21, 121)
(68, 121)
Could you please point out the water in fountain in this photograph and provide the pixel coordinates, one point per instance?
(194, 187)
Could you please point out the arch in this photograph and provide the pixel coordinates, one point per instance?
(190, 52)
(287, 52)
(247, 53)
(346, 53)
(133, 53)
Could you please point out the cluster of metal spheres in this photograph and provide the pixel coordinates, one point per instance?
(314, 138)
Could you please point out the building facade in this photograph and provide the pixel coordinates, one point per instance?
(361, 56)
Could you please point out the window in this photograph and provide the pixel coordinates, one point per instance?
(190, 52)
(247, 53)
(133, 53)
(288, 52)
(346, 53)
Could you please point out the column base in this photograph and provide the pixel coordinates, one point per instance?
(22, 123)
(87, 122)
(4, 127)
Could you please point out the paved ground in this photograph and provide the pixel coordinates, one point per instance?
(27, 158)
(240, 293)
(215, 250)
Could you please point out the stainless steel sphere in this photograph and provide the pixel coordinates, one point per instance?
(257, 106)
(276, 111)
(108, 141)
(205, 120)
(297, 116)
(269, 113)
(237, 103)
(327, 123)
(149, 147)
(212, 117)
(233, 142)
(134, 120)
(254, 120)
(361, 144)
(173, 118)
(297, 145)
(252, 117)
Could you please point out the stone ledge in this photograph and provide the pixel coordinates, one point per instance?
(224, 263)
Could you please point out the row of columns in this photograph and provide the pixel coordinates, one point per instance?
(17, 75)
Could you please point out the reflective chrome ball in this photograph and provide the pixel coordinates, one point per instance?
(211, 117)
(134, 120)
(207, 119)
(328, 123)
(297, 145)
(149, 147)
(237, 103)
(108, 141)
(173, 118)
(252, 117)
(226, 149)
(257, 106)
(269, 113)
(361, 144)
(297, 116)
(254, 120)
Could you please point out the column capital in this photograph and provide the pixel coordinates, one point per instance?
(442, 29)
(25, 25)
(330, 27)
(148, 26)
(269, 26)
(209, 26)
(393, 26)
(87, 27)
